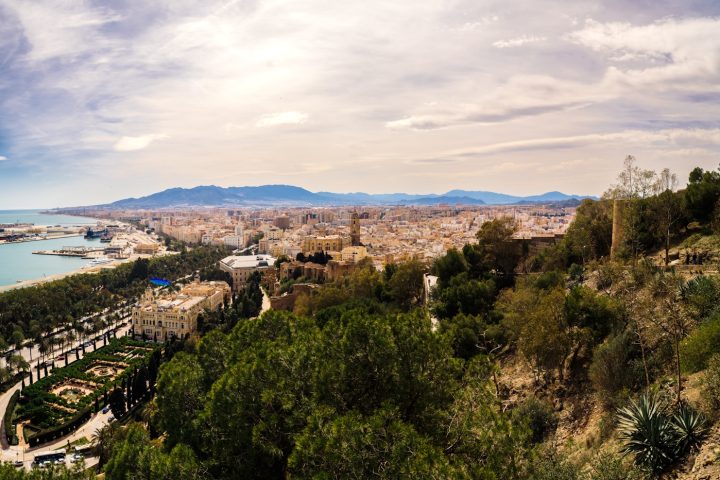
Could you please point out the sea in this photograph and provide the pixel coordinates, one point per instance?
(17, 261)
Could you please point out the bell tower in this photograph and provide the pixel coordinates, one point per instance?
(355, 230)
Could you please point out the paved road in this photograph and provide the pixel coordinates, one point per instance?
(265, 302)
(31, 352)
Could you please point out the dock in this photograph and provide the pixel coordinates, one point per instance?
(81, 252)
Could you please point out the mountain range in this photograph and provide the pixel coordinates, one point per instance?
(288, 195)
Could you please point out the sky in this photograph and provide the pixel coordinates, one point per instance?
(102, 100)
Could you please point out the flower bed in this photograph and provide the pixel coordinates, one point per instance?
(64, 400)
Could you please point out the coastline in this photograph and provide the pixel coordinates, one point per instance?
(59, 276)
(86, 269)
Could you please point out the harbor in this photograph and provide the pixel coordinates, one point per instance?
(89, 248)
(67, 245)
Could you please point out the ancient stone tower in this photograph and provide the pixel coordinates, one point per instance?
(355, 230)
(618, 227)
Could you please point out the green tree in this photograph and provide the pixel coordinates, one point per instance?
(406, 284)
(702, 193)
(129, 445)
(213, 354)
(449, 265)
(495, 252)
(545, 340)
(180, 398)
(463, 295)
(667, 210)
(117, 402)
(354, 446)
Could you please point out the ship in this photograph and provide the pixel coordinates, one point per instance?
(106, 238)
(90, 233)
(99, 261)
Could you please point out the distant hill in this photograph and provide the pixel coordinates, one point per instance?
(277, 195)
(492, 198)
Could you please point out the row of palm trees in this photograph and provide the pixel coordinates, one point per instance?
(49, 344)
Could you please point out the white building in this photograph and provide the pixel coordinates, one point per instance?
(240, 267)
(235, 242)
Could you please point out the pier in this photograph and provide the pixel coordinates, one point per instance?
(81, 252)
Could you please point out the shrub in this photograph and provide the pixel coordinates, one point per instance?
(711, 387)
(608, 274)
(10, 432)
(35, 399)
(703, 342)
(549, 464)
(702, 294)
(576, 272)
(539, 416)
(608, 466)
(550, 280)
(609, 372)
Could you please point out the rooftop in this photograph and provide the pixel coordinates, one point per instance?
(248, 261)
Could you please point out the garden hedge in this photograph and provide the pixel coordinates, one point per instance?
(10, 432)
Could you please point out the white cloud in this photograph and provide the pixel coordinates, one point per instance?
(2, 158)
(129, 144)
(521, 96)
(626, 138)
(518, 41)
(679, 54)
(79, 77)
(480, 23)
(58, 28)
(281, 118)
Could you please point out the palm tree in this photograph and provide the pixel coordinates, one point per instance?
(16, 363)
(70, 338)
(102, 441)
(43, 348)
(18, 339)
(54, 342)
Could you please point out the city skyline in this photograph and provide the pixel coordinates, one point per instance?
(108, 100)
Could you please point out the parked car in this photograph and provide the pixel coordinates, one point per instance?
(106, 409)
(77, 458)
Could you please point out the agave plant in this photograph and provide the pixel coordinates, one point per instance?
(647, 434)
(689, 427)
(702, 293)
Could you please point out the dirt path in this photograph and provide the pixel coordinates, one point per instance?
(19, 431)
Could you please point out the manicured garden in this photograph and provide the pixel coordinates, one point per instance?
(60, 403)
